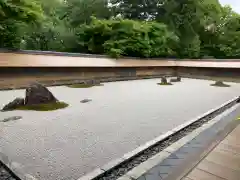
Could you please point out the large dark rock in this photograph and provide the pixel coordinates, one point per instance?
(16, 103)
(38, 94)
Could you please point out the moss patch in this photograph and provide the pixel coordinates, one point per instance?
(83, 85)
(164, 84)
(44, 107)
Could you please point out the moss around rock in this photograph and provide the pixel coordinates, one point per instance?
(44, 107)
(164, 81)
(220, 84)
(83, 85)
(37, 98)
(164, 84)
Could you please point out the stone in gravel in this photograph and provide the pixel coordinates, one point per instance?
(16, 103)
(177, 79)
(220, 84)
(38, 94)
(85, 100)
(14, 118)
(164, 80)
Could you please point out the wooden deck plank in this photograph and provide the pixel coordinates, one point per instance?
(219, 170)
(198, 174)
(225, 159)
(222, 163)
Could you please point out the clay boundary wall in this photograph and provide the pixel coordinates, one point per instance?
(67, 54)
(17, 70)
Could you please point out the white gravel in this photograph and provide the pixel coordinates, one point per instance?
(65, 144)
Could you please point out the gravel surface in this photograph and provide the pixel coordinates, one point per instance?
(126, 166)
(68, 143)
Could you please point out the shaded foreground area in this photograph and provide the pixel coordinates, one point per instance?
(121, 116)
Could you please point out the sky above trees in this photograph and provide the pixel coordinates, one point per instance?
(235, 4)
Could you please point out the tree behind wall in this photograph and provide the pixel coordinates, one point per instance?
(127, 37)
(14, 16)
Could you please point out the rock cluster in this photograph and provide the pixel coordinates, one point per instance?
(35, 94)
(164, 80)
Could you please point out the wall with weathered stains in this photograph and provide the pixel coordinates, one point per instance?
(31, 60)
(209, 71)
(18, 70)
(16, 77)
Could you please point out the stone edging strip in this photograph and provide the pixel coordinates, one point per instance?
(99, 172)
(174, 163)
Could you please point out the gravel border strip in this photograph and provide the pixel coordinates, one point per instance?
(6, 174)
(121, 166)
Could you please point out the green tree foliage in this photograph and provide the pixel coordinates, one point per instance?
(140, 28)
(22, 10)
(78, 12)
(229, 34)
(50, 33)
(14, 17)
(138, 9)
(128, 37)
